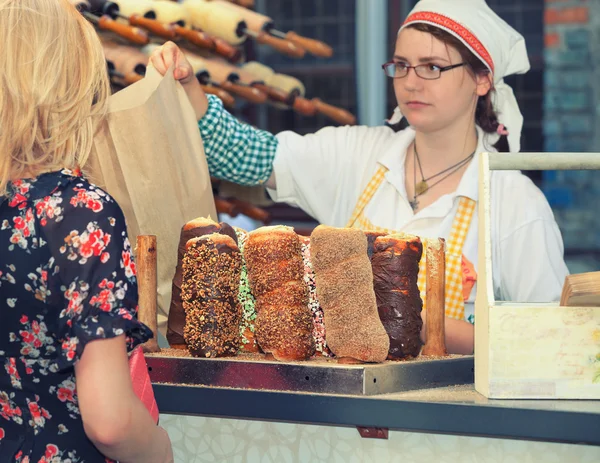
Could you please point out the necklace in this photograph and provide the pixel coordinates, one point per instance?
(422, 187)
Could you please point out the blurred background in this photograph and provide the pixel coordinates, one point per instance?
(559, 97)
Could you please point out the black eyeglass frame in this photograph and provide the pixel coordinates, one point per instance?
(408, 68)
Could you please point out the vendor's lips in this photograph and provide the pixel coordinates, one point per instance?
(416, 104)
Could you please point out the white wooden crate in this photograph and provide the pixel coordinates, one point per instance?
(526, 350)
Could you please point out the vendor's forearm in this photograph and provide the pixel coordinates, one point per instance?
(460, 335)
(235, 151)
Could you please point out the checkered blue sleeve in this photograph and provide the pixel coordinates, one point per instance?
(235, 151)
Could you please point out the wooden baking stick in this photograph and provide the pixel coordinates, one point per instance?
(303, 106)
(435, 298)
(166, 31)
(228, 78)
(251, 94)
(133, 34)
(333, 112)
(282, 46)
(316, 47)
(244, 3)
(196, 37)
(147, 287)
(112, 9)
(251, 211)
(227, 99)
(254, 25)
(226, 207)
(297, 103)
(273, 93)
(257, 22)
(226, 50)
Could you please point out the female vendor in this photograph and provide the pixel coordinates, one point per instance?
(447, 70)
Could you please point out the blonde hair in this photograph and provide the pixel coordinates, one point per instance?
(53, 87)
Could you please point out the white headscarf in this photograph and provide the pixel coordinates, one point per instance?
(500, 47)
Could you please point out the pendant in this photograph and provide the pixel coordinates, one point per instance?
(414, 203)
(421, 187)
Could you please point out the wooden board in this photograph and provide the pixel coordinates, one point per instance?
(525, 350)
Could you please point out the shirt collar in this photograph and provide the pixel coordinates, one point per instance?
(393, 159)
(31, 189)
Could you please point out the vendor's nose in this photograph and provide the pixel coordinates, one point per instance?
(412, 81)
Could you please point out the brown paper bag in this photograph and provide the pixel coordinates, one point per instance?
(149, 156)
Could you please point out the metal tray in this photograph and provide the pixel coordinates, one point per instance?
(319, 375)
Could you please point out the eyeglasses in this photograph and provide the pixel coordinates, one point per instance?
(424, 71)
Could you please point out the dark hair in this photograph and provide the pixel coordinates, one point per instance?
(485, 116)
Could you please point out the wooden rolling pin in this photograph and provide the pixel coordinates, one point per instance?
(219, 20)
(435, 344)
(147, 287)
(258, 23)
(105, 22)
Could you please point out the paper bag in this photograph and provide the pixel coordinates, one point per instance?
(148, 155)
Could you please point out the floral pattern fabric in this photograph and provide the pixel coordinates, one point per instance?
(67, 277)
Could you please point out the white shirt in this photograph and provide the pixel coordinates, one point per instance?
(325, 174)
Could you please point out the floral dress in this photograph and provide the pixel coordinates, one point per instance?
(66, 278)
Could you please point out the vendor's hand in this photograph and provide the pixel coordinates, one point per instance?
(169, 55)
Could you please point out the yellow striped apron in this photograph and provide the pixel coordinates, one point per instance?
(455, 306)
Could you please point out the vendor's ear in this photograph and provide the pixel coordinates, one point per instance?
(484, 84)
